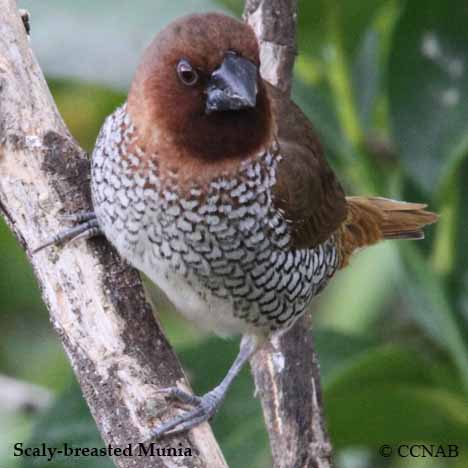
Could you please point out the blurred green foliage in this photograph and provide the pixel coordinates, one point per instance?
(386, 84)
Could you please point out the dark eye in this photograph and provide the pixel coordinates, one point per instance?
(187, 74)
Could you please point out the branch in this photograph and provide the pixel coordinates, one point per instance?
(274, 23)
(96, 302)
(286, 372)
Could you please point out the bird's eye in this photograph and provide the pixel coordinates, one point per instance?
(187, 74)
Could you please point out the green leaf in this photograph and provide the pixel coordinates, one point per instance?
(24, 319)
(95, 104)
(428, 88)
(392, 412)
(235, 6)
(451, 237)
(14, 427)
(367, 76)
(353, 19)
(336, 350)
(17, 278)
(434, 311)
(67, 421)
(368, 69)
(317, 103)
(354, 301)
(460, 215)
(389, 395)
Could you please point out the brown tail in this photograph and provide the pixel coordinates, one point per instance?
(373, 219)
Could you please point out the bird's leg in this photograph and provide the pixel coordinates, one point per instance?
(207, 405)
(88, 227)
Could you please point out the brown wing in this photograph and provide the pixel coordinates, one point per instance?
(307, 190)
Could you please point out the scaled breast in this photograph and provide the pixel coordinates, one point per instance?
(226, 239)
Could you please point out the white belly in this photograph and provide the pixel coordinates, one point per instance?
(203, 309)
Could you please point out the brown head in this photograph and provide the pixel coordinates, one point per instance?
(198, 92)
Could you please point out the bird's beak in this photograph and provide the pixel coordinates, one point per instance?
(232, 86)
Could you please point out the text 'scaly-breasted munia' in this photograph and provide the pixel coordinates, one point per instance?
(213, 183)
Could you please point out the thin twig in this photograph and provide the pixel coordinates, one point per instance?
(286, 372)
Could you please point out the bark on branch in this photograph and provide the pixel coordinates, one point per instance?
(96, 302)
(286, 371)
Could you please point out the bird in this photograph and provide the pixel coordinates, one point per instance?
(213, 182)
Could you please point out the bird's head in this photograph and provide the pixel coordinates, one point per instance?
(198, 90)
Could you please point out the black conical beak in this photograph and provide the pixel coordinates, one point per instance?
(232, 86)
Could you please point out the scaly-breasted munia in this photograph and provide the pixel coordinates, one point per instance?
(213, 183)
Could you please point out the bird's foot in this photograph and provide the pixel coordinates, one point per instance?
(79, 217)
(204, 408)
(86, 228)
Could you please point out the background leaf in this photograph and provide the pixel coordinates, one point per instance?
(391, 395)
(428, 88)
(67, 421)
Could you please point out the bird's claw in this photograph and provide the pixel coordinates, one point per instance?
(86, 228)
(80, 217)
(176, 394)
(204, 409)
